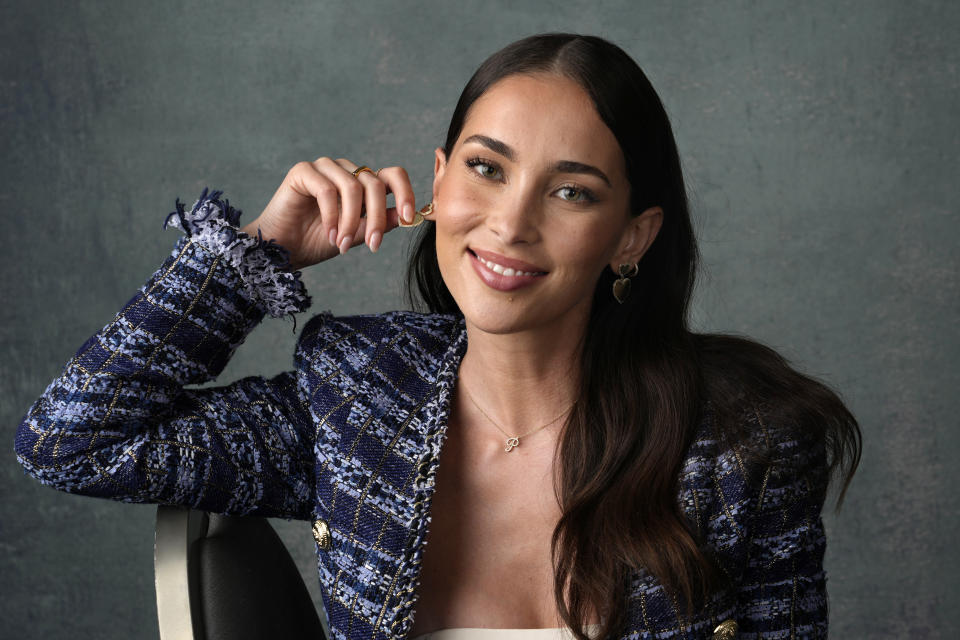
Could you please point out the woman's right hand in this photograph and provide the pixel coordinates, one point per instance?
(321, 209)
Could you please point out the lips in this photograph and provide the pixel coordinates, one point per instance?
(502, 273)
(501, 264)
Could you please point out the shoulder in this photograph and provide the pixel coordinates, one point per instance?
(395, 339)
(376, 327)
(755, 482)
(742, 479)
(754, 445)
(741, 484)
(769, 414)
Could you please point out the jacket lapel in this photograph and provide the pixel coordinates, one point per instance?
(379, 447)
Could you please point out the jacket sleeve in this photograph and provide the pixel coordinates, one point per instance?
(119, 422)
(782, 592)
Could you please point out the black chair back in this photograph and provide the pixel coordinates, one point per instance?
(228, 577)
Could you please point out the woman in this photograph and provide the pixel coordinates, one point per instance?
(607, 472)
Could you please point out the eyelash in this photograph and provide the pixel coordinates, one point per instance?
(587, 196)
(475, 162)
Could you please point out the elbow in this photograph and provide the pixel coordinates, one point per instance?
(27, 443)
(41, 448)
(71, 455)
(29, 447)
(63, 427)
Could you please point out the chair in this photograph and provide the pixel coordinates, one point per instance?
(227, 577)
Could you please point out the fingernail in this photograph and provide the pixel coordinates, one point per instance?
(374, 243)
(332, 237)
(408, 213)
(345, 244)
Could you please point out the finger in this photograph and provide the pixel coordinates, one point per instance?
(374, 201)
(364, 230)
(374, 237)
(329, 198)
(311, 182)
(393, 218)
(398, 183)
(351, 200)
(361, 234)
(375, 204)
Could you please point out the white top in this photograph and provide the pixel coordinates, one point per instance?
(472, 633)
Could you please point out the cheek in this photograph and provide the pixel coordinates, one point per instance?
(586, 247)
(452, 225)
(583, 271)
(459, 209)
(460, 197)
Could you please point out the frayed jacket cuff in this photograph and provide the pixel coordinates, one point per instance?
(263, 265)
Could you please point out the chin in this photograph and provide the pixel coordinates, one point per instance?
(528, 308)
(497, 319)
(502, 317)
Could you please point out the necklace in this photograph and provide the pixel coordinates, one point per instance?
(512, 441)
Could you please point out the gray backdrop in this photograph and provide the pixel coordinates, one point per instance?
(821, 148)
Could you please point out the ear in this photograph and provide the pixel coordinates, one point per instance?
(439, 166)
(638, 235)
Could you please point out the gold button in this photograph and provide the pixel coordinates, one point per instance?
(321, 533)
(726, 630)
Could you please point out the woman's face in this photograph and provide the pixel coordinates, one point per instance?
(532, 205)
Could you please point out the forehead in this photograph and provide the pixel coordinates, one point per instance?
(545, 116)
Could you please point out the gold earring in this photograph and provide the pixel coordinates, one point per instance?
(621, 286)
(419, 216)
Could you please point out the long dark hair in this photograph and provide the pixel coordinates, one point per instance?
(646, 378)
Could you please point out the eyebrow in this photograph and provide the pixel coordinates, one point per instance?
(563, 166)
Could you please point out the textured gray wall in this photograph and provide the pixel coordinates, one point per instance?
(821, 145)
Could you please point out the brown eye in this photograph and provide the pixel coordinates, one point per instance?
(572, 194)
(485, 169)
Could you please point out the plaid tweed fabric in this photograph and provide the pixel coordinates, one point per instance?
(352, 437)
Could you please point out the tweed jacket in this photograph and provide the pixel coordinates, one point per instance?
(350, 440)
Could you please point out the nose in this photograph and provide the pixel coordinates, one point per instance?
(515, 217)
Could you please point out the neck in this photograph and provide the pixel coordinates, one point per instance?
(522, 380)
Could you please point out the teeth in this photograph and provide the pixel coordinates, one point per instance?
(506, 271)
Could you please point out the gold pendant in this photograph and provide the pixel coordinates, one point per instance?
(511, 443)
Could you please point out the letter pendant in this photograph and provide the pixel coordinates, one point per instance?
(511, 443)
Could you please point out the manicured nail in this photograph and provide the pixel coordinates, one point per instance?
(345, 244)
(332, 237)
(408, 213)
(374, 243)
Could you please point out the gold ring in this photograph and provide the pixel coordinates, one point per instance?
(356, 172)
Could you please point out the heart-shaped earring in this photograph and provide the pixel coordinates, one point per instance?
(419, 216)
(621, 286)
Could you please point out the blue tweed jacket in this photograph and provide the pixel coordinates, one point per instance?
(351, 438)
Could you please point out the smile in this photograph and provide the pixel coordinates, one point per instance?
(502, 273)
(506, 271)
